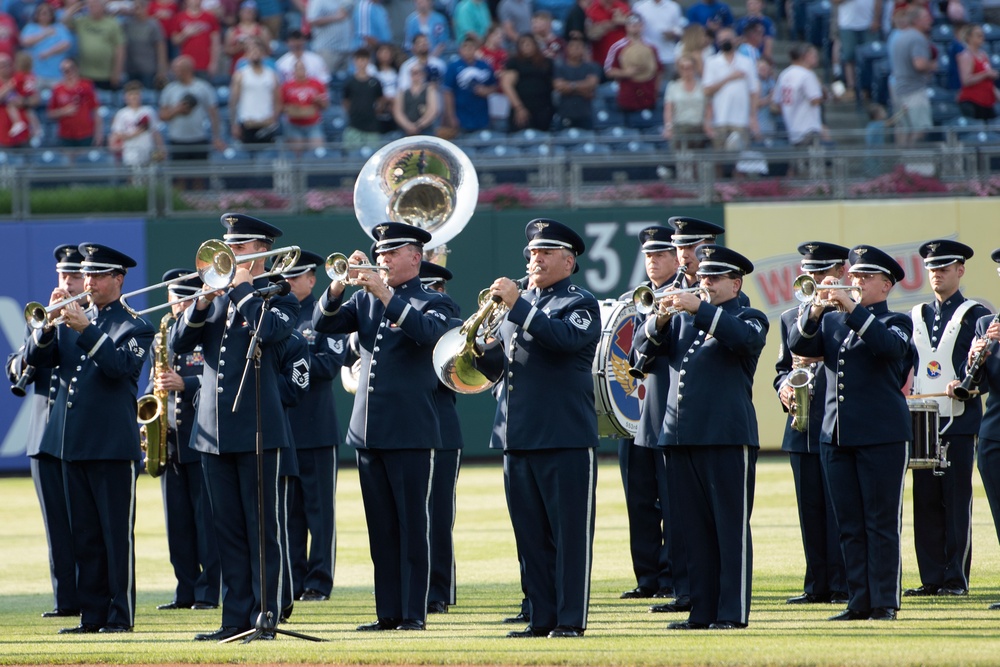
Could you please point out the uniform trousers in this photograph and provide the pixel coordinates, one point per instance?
(312, 526)
(194, 553)
(447, 463)
(866, 486)
(988, 461)
(551, 505)
(942, 517)
(644, 479)
(820, 535)
(47, 473)
(231, 480)
(101, 496)
(525, 610)
(288, 489)
(713, 488)
(396, 490)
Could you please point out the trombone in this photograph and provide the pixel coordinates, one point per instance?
(339, 268)
(807, 291)
(37, 316)
(215, 264)
(647, 301)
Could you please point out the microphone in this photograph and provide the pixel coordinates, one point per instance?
(280, 288)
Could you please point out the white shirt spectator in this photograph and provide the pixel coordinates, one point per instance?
(731, 102)
(798, 88)
(434, 63)
(315, 66)
(137, 150)
(256, 101)
(856, 14)
(663, 22)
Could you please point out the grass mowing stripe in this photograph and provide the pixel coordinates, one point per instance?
(930, 631)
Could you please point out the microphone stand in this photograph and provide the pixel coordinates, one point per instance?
(265, 624)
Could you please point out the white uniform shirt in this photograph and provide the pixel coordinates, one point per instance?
(659, 17)
(797, 87)
(731, 102)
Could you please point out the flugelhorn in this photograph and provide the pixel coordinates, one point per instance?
(215, 263)
(647, 301)
(37, 315)
(807, 290)
(339, 268)
(456, 351)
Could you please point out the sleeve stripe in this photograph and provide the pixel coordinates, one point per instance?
(651, 330)
(798, 325)
(527, 320)
(38, 338)
(715, 321)
(93, 350)
(402, 316)
(187, 320)
(249, 296)
(864, 327)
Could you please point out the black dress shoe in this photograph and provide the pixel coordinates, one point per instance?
(808, 598)
(380, 625)
(529, 632)
(726, 625)
(59, 613)
(665, 592)
(565, 631)
(638, 592)
(82, 629)
(839, 597)
(925, 589)
(225, 632)
(174, 605)
(883, 614)
(994, 606)
(947, 590)
(683, 603)
(687, 625)
(520, 618)
(312, 595)
(202, 606)
(851, 615)
(437, 607)
(115, 627)
(411, 624)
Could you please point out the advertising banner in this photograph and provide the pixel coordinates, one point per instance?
(28, 274)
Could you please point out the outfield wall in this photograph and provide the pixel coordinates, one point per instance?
(491, 245)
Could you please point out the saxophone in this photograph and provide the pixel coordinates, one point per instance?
(801, 382)
(152, 408)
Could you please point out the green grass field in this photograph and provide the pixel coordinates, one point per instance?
(928, 632)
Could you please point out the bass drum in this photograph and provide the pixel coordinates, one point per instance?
(616, 393)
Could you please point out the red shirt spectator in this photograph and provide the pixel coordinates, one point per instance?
(163, 11)
(305, 96)
(14, 87)
(607, 26)
(196, 33)
(8, 34)
(74, 105)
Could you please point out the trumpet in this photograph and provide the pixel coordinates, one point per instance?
(37, 315)
(807, 291)
(339, 268)
(647, 301)
(215, 264)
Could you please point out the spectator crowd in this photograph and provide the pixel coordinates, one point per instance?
(190, 78)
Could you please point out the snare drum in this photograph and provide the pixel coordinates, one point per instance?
(616, 393)
(925, 448)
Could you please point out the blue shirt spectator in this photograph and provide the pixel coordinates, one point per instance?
(955, 47)
(433, 25)
(461, 80)
(48, 42)
(711, 14)
(371, 24)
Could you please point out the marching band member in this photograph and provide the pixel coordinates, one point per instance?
(659, 571)
(398, 322)
(546, 349)
(943, 331)
(824, 578)
(316, 431)
(46, 470)
(688, 234)
(191, 543)
(867, 358)
(447, 463)
(222, 323)
(99, 362)
(712, 347)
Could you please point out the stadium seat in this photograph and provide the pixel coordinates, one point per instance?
(530, 136)
(944, 110)
(644, 118)
(11, 159)
(544, 150)
(963, 126)
(230, 154)
(591, 148)
(95, 157)
(49, 158)
(222, 94)
(499, 150)
(576, 134)
(604, 119)
(942, 33)
(618, 132)
(322, 154)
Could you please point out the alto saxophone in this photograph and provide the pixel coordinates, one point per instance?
(801, 382)
(152, 412)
